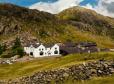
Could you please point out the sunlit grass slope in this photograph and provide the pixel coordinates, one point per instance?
(39, 64)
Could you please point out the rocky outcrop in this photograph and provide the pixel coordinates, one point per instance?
(88, 20)
(76, 72)
(24, 23)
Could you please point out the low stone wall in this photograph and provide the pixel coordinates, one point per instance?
(76, 72)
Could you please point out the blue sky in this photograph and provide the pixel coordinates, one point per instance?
(92, 2)
(27, 3)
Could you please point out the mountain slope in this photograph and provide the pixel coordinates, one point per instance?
(27, 23)
(33, 25)
(88, 20)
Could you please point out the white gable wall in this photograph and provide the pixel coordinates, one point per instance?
(47, 52)
(53, 49)
(37, 52)
(28, 50)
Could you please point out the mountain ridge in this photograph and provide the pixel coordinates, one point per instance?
(33, 25)
(101, 24)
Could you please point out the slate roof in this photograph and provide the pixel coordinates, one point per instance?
(70, 48)
(37, 45)
(87, 44)
(33, 44)
(49, 45)
(68, 44)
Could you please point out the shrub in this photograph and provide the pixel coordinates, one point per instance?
(17, 48)
(17, 43)
(20, 51)
(1, 51)
(6, 55)
(2, 48)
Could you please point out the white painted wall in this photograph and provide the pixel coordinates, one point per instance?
(47, 52)
(37, 51)
(53, 49)
(29, 49)
(42, 48)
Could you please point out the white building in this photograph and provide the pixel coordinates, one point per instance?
(40, 50)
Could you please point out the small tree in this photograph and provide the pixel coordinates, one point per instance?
(17, 43)
(1, 50)
(20, 52)
(4, 47)
(17, 48)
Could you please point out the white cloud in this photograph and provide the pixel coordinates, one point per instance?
(55, 7)
(104, 7)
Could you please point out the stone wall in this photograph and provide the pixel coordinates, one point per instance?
(76, 72)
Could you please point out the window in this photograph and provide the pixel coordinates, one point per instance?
(55, 48)
(42, 49)
(49, 53)
(41, 53)
(56, 52)
(39, 49)
(31, 53)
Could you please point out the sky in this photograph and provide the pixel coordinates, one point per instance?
(104, 7)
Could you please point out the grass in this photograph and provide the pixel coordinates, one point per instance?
(28, 68)
(65, 33)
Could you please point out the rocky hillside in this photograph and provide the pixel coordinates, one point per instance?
(88, 20)
(29, 24)
(34, 25)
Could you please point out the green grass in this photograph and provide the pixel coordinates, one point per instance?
(62, 34)
(28, 68)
